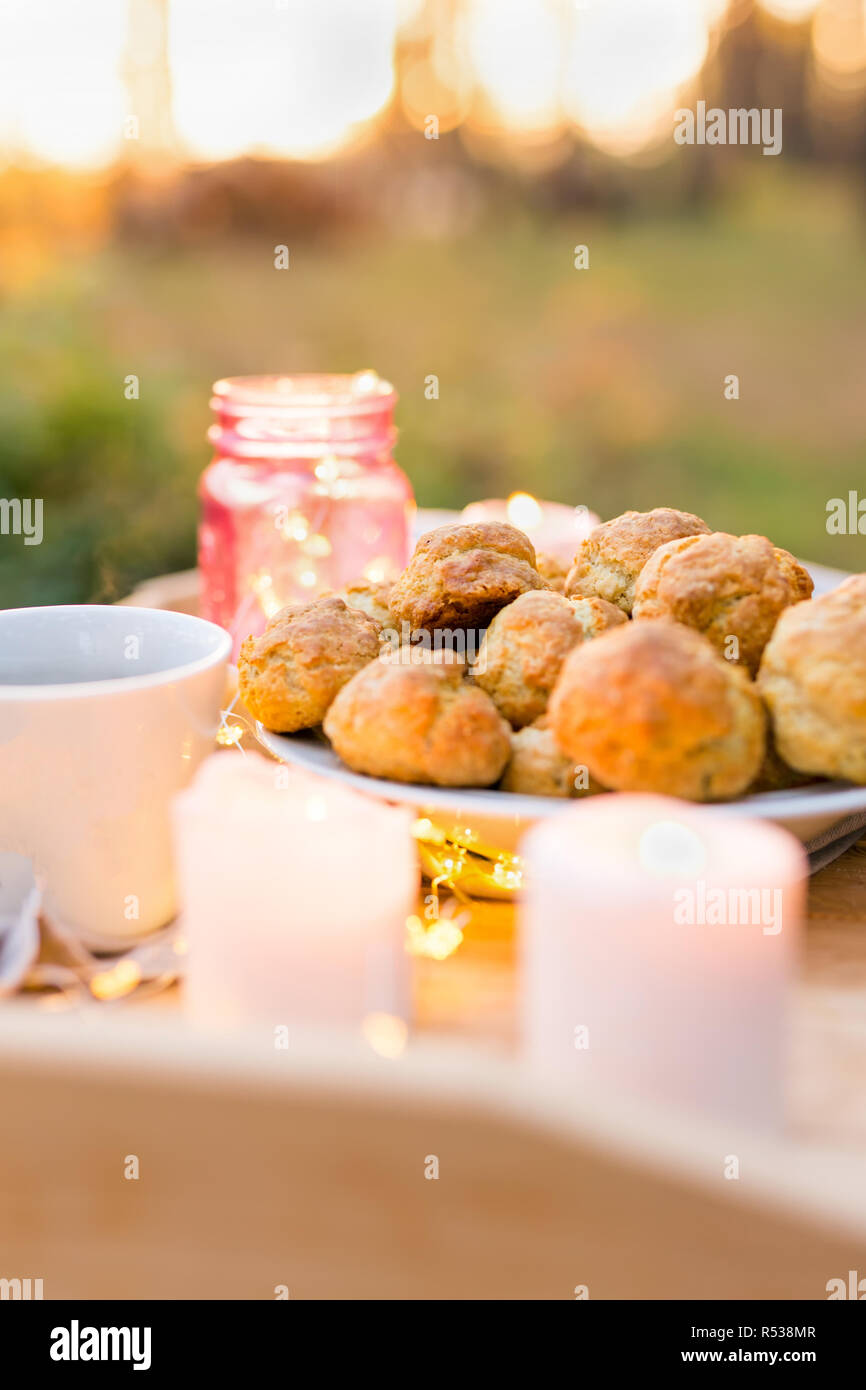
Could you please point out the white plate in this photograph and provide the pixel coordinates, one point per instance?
(500, 818)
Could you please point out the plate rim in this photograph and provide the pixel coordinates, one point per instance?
(830, 798)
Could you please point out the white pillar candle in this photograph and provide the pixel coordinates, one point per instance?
(658, 943)
(295, 894)
(553, 528)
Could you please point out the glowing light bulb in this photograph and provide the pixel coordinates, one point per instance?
(121, 979)
(366, 383)
(318, 546)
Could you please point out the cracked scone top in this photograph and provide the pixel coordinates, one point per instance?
(526, 644)
(460, 576)
(727, 587)
(612, 556)
(289, 675)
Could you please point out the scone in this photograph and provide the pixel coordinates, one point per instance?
(538, 767)
(612, 556)
(813, 680)
(552, 570)
(731, 588)
(526, 644)
(796, 574)
(370, 598)
(419, 720)
(652, 707)
(460, 576)
(288, 677)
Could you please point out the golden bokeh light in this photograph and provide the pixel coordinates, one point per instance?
(265, 78)
(288, 78)
(523, 511)
(514, 48)
(627, 62)
(839, 38)
(794, 11)
(425, 93)
(119, 980)
(386, 1034)
(62, 99)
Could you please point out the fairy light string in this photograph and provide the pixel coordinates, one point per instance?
(455, 861)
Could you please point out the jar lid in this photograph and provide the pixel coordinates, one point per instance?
(358, 393)
(282, 416)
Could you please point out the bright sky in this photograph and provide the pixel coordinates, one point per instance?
(304, 77)
(295, 78)
(61, 95)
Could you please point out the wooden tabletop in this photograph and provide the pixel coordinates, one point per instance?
(471, 997)
(829, 1070)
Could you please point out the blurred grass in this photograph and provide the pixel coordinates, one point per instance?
(602, 386)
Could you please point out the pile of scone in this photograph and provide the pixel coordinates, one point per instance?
(669, 658)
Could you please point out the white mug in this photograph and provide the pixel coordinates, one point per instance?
(105, 712)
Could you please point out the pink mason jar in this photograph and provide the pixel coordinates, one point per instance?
(303, 495)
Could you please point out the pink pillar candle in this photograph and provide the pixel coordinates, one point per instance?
(295, 894)
(658, 945)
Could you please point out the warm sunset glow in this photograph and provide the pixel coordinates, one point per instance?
(627, 62)
(839, 38)
(514, 46)
(794, 11)
(307, 79)
(61, 95)
(275, 79)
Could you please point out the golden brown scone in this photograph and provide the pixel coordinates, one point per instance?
(288, 677)
(538, 767)
(526, 644)
(796, 574)
(813, 679)
(612, 556)
(552, 570)
(370, 598)
(460, 576)
(419, 721)
(653, 707)
(725, 586)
